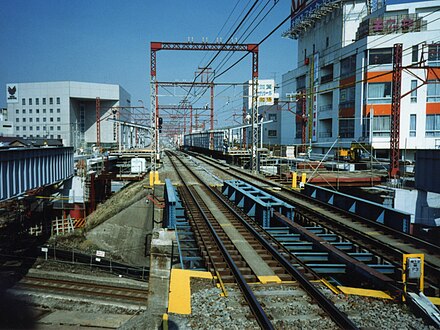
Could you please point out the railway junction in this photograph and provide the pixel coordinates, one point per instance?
(318, 208)
(223, 247)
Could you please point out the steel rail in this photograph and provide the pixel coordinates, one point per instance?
(294, 196)
(257, 310)
(339, 317)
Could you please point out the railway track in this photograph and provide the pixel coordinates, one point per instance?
(384, 241)
(82, 289)
(237, 252)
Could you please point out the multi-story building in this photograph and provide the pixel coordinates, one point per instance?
(345, 65)
(6, 128)
(67, 110)
(269, 109)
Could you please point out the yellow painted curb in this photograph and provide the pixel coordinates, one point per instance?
(179, 301)
(364, 292)
(269, 279)
(435, 300)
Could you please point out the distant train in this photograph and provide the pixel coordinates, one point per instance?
(208, 142)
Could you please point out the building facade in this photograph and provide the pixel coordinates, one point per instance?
(270, 109)
(344, 73)
(67, 110)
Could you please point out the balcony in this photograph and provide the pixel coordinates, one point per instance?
(327, 78)
(326, 107)
(346, 104)
(324, 135)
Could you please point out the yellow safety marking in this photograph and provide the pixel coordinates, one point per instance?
(221, 285)
(165, 321)
(269, 279)
(372, 233)
(330, 286)
(364, 292)
(225, 225)
(435, 300)
(179, 301)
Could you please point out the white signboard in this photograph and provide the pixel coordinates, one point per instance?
(11, 93)
(100, 254)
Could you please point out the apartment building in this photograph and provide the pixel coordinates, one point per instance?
(345, 65)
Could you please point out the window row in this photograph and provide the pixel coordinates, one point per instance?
(51, 136)
(30, 111)
(382, 125)
(37, 128)
(381, 92)
(43, 101)
(37, 120)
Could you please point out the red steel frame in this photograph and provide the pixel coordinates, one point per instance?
(395, 111)
(219, 47)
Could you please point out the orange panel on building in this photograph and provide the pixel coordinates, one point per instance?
(346, 82)
(432, 108)
(378, 109)
(433, 73)
(379, 76)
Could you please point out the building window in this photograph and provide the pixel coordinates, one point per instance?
(17, 111)
(59, 136)
(434, 55)
(58, 119)
(24, 111)
(51, 110)
(37, 119)
(50, 100)
(58, 100)
(30, 120)
(380, 56)
(272, 116)
(23, 101)
(348, 66)
(44, 110)
(415, 53)
(51, 136)
(24, 128)
(58, 128)
(24, 120)
(30, 110)
(346, 128)
(381, 126)
(413, 91)
(17, 120)
(31, 128)
(412, 125)
(17, 128)
(379, 92)
(44, 119)
(37, 110)
(30, 101)
(51, 119)
(347, 97)
(44, 100)
(272, 133)
(58, 110)
(51, 128)
(432, 125)
(37, 101)
(433, 91)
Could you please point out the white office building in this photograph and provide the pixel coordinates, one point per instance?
(345, 64)
(67, 110)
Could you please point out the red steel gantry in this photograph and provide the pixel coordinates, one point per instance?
(219, 47)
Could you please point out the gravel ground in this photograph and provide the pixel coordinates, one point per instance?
(289, 308)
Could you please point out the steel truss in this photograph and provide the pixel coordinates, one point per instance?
(156, 46)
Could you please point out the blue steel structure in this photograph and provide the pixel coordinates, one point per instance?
(256, 203)
(174, 218)
(387, 216)
(23, 169)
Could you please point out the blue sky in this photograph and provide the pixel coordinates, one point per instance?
(108, 41)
